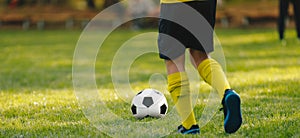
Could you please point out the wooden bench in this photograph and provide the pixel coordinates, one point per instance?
(248, 15)
(22, 20)
(48, 17)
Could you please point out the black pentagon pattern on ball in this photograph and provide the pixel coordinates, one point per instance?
(139, 93)
(148, 101)
(157, 92)
(163, 109)
(133, 109)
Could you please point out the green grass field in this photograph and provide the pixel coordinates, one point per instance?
(37, 98)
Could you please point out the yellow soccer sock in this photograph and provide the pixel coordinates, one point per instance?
(178, 86)
(212, 73)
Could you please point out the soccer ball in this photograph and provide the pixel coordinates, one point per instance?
(149, 102)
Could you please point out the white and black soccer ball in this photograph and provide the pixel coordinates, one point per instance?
(149, 102)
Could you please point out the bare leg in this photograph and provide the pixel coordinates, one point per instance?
(197, 57)
(177, 65)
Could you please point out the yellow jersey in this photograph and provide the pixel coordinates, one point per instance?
(176, 1)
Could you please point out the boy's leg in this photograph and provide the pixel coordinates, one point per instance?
(178, 86)
(296, 4)
(212, 72)
(283, 12)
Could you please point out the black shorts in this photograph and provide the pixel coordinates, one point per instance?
(173, 38)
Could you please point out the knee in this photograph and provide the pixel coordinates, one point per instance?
(198, 56)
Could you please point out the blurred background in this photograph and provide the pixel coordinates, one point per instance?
(38, 41)
(75, 14)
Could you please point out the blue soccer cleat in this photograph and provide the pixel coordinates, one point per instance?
(232, 111)
(193, 130)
